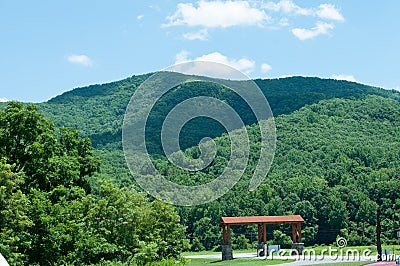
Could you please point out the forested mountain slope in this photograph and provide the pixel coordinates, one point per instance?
(337, 159)
(337, 156)
(335, 162)
(97, 110)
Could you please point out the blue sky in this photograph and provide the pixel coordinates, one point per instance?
(49, 47)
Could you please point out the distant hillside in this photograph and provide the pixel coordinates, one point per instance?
(335, 162)
(97, 110)
(337, 157)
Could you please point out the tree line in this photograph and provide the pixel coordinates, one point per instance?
(53, 212)
(335, 163)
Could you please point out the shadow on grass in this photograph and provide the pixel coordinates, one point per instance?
(237, 262)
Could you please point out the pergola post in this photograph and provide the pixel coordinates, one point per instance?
(296, 232)
(293, 233)
(262, 240)
(299, 232)
(265, 233)
(297, 246)
(227, 253)
(224, 237)
(229, 234)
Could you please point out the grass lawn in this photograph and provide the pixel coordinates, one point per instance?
(208, 252)
(317, 249)
(244, 262)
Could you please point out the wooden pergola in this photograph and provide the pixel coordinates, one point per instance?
(261, 221)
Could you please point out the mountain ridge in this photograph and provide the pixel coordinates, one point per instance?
(98, 110)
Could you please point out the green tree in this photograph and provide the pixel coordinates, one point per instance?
(207, 232)
(14, 222)
(281, 239)
(367, 212)
(49, 215)
(241, 242)
(49, 158)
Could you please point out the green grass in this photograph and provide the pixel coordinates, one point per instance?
(205, 252)
(318, 250)
(236, 262)
(209, 252)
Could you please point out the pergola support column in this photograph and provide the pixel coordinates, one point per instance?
(297, 246)
(265, 233)
(262, 240)
(227, 253)
(296, 232)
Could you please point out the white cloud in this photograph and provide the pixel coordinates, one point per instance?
(288, 7)
(139, 17)
(182, 57)
(3, 100)
(242, 64)
(324, 11)
(330, 12)
(320, 28)
(265, 68)
(200, 67)
(217, 14)
(198, 35)
(271, 15)
(344, 77)
(83, 60)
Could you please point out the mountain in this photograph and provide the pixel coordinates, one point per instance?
(336, 161)
(98, 110)
(337, 157)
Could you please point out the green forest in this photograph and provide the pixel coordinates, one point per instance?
(68, 198)
(53, 213)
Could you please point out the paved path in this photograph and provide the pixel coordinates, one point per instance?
(321, 261)
(219, 256)
(298, 261)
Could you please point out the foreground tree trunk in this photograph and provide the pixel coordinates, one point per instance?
(378, 233)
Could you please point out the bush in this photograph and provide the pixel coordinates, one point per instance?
(241, 242)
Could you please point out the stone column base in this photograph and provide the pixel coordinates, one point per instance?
(227, 252)
(297, 248)
(262, 250)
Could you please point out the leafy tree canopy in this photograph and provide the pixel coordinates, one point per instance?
(50, 215)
